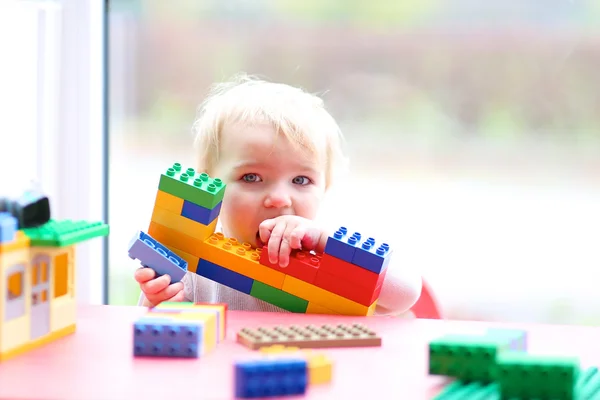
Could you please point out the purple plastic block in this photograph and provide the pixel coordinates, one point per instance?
(155, 255)
(200, 214)
(341, 245)
(224, 276)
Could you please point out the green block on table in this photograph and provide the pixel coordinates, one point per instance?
(65, 232)
(278, 297)
(523, 375)
(197, 188)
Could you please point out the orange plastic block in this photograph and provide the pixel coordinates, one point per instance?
(174, 238)
(325, 298)
(240, 258)
(351, 272)
(349, 290)
(303, 265)
(190, 259)
(182, 224)
(168, 202)
(314, 308)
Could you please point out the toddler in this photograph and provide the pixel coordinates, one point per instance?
(279, 151)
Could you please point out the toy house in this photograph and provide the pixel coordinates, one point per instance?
(346, 279)
(37, 271)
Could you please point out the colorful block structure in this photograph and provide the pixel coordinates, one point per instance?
(495, 365)
(37, 273)
(280, 371)
(186, 330)
(346, 279)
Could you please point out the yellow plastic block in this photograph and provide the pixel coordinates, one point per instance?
(21, 242)
(320, 296)
(182, 224)
(240, 258)
(172, 237)
(320, 369)
(314, 308)
(168, 202)
(219, 309)
(191, 260)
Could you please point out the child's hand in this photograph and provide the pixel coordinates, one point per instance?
(157, 290)
(289, 232)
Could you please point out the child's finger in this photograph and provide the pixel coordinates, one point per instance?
(165, 294)
(265, 228)
(179, 297)
(155, 285)
(143, 275)
(296, 236)
(275, 242)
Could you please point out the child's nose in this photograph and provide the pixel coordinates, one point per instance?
(278, 198)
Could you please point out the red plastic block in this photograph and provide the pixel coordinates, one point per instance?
(352, 273)
(303, 265)
(342, 287)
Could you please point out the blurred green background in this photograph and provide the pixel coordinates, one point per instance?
(478, 121)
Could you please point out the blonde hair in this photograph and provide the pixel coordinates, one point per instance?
(297, 115)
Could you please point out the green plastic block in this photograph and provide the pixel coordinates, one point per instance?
(528, 376)
(65, 232)
(467, 357)
(189, 185)
(278, 297)
(460, 390)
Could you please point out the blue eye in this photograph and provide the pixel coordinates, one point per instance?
(301, 180)
(250, 178)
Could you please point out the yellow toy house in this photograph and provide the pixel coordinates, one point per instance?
(37, 281)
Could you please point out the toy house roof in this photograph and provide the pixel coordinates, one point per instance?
(60, 233)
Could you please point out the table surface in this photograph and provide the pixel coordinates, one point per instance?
(97, 362)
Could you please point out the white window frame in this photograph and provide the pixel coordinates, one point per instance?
(72, 149)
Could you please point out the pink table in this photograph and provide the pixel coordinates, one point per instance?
(97, 362)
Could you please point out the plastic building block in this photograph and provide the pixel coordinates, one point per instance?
(191, 186)
(342, 246)
(31, 209)
(372, 256)
(65, 232)
(268, 377)
(311, 336)
(153, 254)
(320, 367)
(191, 228)
(224, 276)
(38, 268)
(340, 286)
(167, 338)
(278, 297)
(218, 309)
(522, 375)
(320, 296)
(200, 214)
(240, 258)
(466, 357)
(8, 227)
(352, 273)
(303, 265)
(168, 202)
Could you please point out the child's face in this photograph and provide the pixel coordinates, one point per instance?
(266, 177)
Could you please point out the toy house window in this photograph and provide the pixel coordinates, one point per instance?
(61, 275)
(15, 292)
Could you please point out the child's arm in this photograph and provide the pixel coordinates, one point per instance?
(401, 290)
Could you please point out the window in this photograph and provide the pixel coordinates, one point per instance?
(15, 290)
(61, 275)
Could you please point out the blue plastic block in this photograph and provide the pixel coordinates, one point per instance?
(516, 337)
(200, 214)
(224, 276)
(8, 227)
(372, 256)
(154, 255)
(181, 310)
(341, 245)
(270, 378)
(164, 337)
